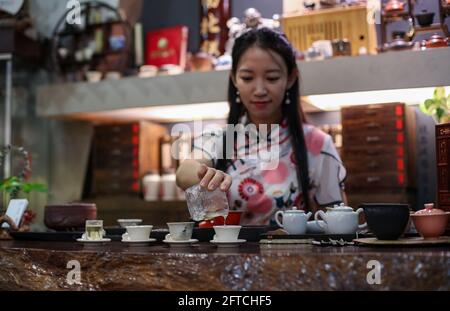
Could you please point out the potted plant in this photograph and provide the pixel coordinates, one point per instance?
(17, 186)
(438, 106)
(13, 187)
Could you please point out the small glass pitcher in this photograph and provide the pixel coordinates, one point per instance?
(204, 204)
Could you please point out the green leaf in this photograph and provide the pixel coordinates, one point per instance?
(439, 92)
(439, 114)
(428, 104)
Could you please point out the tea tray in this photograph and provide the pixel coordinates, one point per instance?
(404, 241)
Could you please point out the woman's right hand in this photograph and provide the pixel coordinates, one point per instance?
(211, 178)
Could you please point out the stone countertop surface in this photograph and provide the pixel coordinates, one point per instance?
(26, 265)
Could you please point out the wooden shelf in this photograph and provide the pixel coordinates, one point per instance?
(428, 28)
(386, 71)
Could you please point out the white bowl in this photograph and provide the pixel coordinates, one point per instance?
(129, 222)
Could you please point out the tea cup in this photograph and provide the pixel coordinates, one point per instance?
(94, 230)
(226, 233)
(137, 233)
(180, 231)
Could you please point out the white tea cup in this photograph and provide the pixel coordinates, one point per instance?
(226, 233)
(137, 233)
(180, 231)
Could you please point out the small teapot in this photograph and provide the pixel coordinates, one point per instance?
(294, 221)
(340, 219)
(394, 6)
(436, 41)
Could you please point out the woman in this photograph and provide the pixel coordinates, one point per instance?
(263, 89)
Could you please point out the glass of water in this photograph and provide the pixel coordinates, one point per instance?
(204, 204)
(94, 230)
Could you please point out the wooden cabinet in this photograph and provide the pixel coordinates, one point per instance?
(375, 146)
(122, 154)
(337, 23)
(443, 166)
(377, 152)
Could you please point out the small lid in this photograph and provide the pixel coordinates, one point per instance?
(340, 208)
(295, 210)
(430, 210)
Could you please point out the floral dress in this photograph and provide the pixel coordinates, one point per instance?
(260, 192)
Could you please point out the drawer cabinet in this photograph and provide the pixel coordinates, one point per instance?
(376, 142)
(122, 154)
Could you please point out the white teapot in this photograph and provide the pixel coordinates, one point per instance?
(340, 219)
(294, 221)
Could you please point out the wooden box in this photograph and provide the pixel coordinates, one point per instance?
(122, 154)
(328, 24)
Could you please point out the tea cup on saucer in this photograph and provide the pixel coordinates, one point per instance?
(180, 231)
(137, 233)
(226, 233)
(93, 230)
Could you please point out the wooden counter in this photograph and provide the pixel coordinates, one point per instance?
(26, 265)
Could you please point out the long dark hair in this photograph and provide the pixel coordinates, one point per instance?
(268, 39)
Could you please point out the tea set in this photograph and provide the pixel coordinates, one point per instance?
(385, 221)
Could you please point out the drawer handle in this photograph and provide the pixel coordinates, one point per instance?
(373, 179)
(372, 125)
(371, 139)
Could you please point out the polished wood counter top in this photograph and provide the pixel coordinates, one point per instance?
(203, 266)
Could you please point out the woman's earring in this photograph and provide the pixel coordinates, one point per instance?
(238, 99)
(288, 100)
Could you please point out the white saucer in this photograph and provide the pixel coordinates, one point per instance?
(180, 243)
(104, 240)
(139, 242)
(228, 243)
